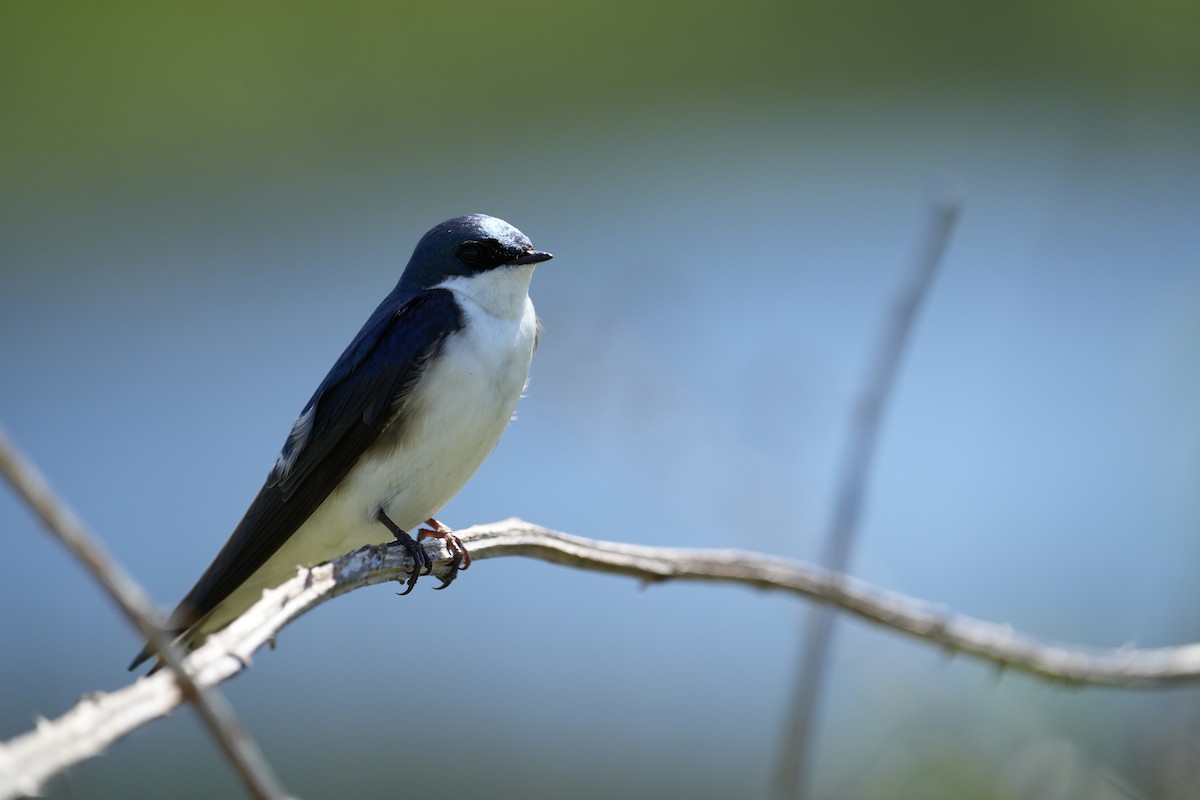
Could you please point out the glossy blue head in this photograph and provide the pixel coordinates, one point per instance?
(466, 246)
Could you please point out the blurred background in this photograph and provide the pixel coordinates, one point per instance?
(199, 208)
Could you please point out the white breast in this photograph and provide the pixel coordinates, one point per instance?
(465, 399)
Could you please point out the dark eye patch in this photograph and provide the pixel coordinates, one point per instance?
(471, 254)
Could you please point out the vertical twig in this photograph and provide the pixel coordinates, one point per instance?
(944, 205)
(212, 707)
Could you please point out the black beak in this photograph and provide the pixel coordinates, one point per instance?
(532, 257)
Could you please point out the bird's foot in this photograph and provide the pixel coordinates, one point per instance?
(460, 558)
(422, 565)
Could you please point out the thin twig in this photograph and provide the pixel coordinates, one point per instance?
(101, 719)
(216, 713)
(945, 202)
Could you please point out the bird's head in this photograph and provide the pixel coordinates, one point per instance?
(466, 246)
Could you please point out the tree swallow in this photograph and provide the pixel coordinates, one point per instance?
(405, 417)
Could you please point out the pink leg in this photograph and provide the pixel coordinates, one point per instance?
(462, 558)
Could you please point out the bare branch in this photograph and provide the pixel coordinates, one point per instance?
(101, 719)
(945, 203)
(216, 713)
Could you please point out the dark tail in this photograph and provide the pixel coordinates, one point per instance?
(173, 633)
(141, 657)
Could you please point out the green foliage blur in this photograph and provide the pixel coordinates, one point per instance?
(91, 91)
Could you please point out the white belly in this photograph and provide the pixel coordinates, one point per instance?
(465, 400)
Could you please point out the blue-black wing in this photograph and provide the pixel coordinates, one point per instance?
(356, 401)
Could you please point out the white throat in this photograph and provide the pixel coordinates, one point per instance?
(501, 292)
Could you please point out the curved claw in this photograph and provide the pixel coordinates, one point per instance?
(460, 557)
(409, 584)
(417, 553)
(419, 557)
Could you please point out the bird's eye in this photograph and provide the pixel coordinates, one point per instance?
(470, 253)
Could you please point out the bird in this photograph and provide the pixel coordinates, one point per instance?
(404, 418)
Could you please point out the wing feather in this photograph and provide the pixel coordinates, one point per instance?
(352, 406)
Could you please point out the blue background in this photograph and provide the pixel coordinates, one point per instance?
(199, 211)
